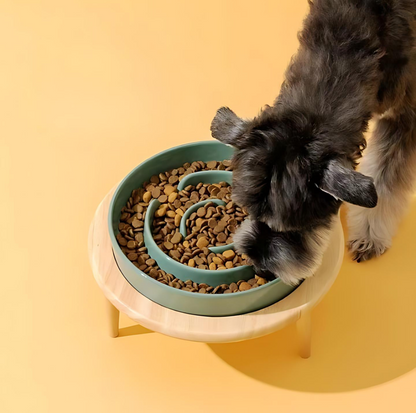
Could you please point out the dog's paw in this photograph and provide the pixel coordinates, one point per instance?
(365, 249)
(370, 232)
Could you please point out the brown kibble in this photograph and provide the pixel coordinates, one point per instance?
(229, 264)
(199, 261)
(161, 212)
(244, 286)
(222, 193)
(191, 263)
(137, 223)
(177, 220)
(173, 179)
(228, 255)
(212, 266)
(162, 199)
(172, 197)
(154, 179)
(121, 240)
(177, 238)
(156, 193)
(202, 242)
(215, 191)
(168, 245)
(217, 260)
(261, 281)
(231, 229)
(221, 237)
(219, 228)
(147, 197)
(233, 287)
(201, 212)
(199, 222)
(153, 273)
(150, 262)
(168, 190)
(131, 245)
(212, 223)
(175, 254)
(211, 164)
(209, 213)
(132, 256)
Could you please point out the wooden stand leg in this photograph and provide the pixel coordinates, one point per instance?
(113, 316)
(304, 327)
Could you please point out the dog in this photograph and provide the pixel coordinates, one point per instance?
(295, 163)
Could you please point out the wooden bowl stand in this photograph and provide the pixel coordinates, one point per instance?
(121, 296)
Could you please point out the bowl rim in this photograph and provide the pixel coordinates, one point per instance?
(116, 248)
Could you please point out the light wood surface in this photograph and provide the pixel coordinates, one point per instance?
(113, 318)
(207, 329)
(304, 327)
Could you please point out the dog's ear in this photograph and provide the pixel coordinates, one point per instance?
(228, 128)
(348, 185)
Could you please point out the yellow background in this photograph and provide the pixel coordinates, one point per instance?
(88, 89)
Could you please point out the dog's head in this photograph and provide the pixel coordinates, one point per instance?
(292, 177)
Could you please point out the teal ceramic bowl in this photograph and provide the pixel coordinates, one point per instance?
(184, 301)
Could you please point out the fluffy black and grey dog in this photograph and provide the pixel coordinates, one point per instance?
(295, 162)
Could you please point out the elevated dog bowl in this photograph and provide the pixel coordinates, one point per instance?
(184, 301)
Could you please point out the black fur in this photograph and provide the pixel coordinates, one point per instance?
(295, 161)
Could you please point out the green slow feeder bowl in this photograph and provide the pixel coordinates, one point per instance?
(185, 301)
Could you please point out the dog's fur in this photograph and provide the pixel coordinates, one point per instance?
(295, 162)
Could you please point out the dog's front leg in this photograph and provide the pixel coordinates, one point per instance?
(391, 160)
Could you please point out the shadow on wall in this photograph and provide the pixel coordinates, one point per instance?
(364, 330)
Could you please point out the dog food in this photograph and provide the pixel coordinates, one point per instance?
(209, 226)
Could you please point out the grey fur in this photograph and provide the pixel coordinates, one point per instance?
(348, 185)
(356, 59)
